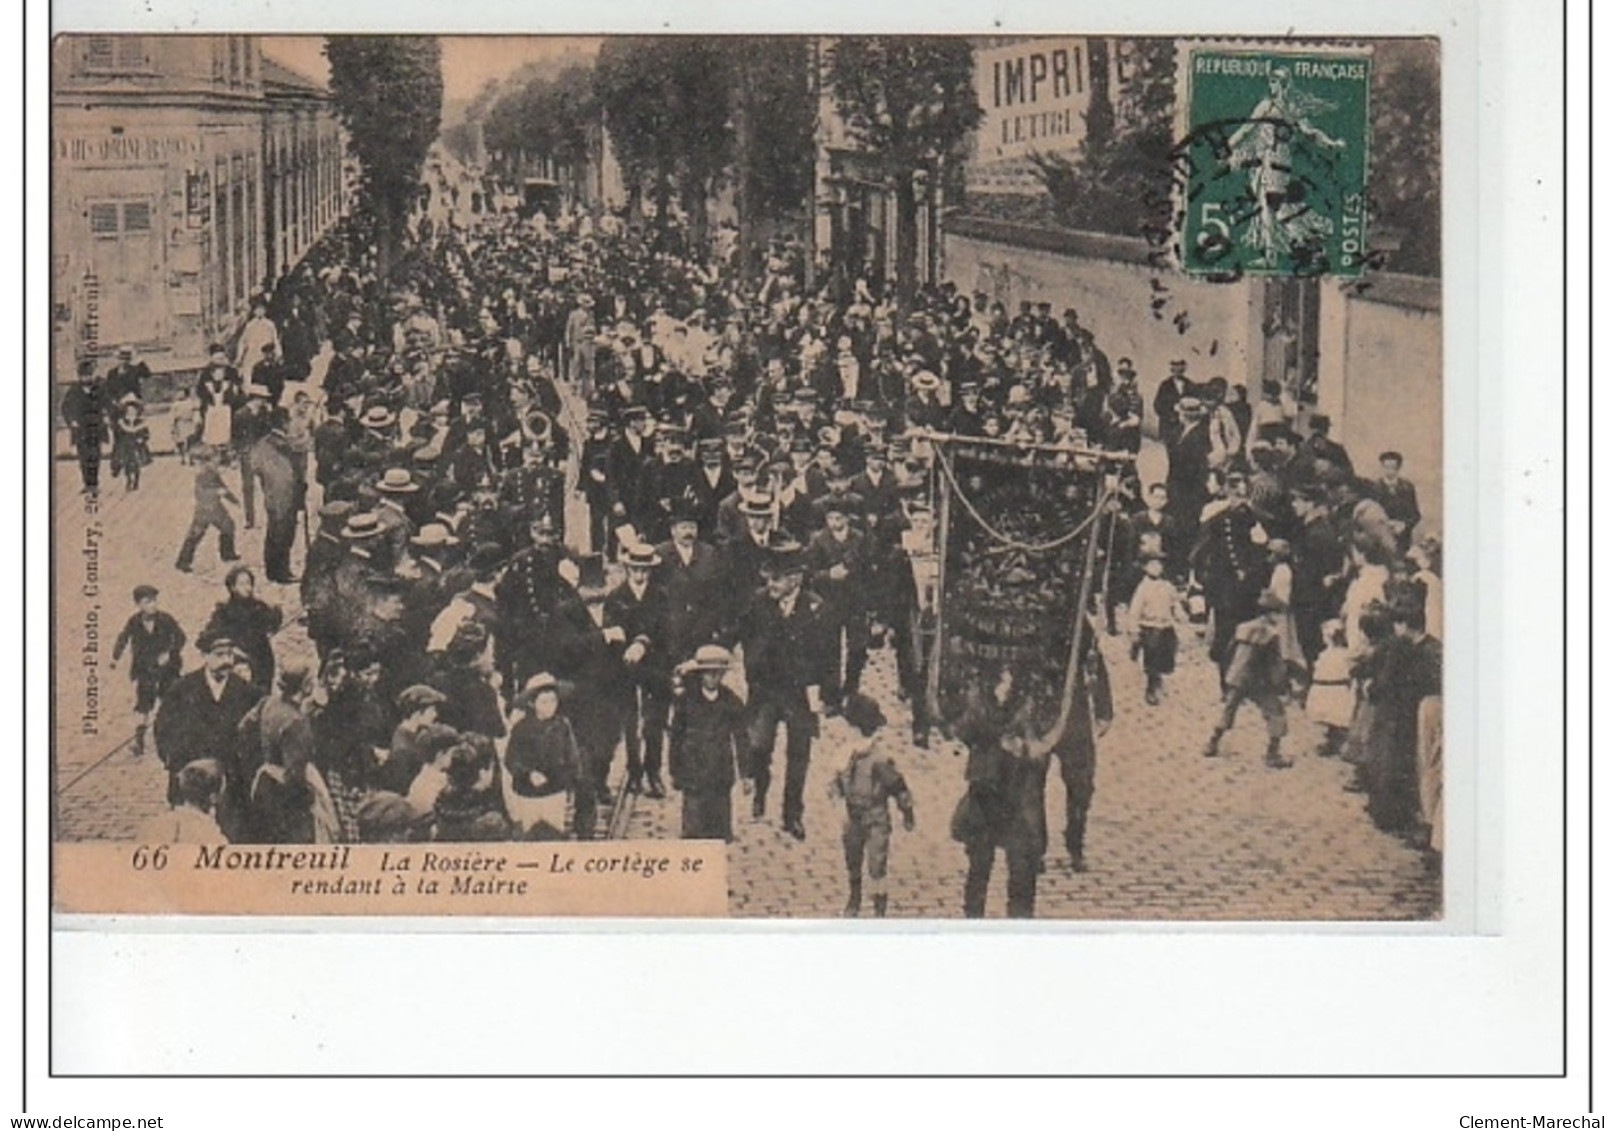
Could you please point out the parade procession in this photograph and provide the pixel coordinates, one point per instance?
(932, 584)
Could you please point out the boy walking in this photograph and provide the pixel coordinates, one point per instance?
(868, 783)
(211, 494)
(154, 640)
(1154, 613)
(1257, 672)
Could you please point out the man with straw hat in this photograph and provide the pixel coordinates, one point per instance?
(635, 620)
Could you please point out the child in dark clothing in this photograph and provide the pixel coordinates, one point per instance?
(154, 640)
(868, 783)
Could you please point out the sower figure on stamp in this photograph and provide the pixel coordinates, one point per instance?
(154, 640)
(868, 784)
(708, 744)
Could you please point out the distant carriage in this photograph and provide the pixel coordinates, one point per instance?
(540, 194)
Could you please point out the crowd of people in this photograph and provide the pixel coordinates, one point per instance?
(561, 485)
(1313, 584)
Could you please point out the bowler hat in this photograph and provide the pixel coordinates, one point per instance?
(683, 510)
(487, 557)
(145, 592)
(784, 554)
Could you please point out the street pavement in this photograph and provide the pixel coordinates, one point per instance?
(1172, 835)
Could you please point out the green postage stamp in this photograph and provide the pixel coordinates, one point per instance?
(1274, 162)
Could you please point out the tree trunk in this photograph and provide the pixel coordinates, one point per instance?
(388, 235)
(745, 204)
(907, 239)
(694, 199)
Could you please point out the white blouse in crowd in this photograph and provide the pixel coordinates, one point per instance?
(1368, 586)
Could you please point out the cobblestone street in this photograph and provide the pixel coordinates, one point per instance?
(1172, 835)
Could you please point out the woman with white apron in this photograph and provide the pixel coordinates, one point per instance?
(217, 393)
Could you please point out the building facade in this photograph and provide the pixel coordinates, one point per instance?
(188, 174)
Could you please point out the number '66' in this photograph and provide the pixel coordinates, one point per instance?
(154, 858)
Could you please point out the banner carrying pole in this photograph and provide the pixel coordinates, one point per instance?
(943, 493)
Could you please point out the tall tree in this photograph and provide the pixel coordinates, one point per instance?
(546, 118)
(908, 101)
(637, 115)
(667, 103)
(775, 112)
(1404, 179)
(388, 91)
(1121, 178)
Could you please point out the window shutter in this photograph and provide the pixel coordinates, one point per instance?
(137, 216)
(100, 52)
(131, 52)
(103, 219)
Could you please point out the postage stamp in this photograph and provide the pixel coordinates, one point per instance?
(1275, 162)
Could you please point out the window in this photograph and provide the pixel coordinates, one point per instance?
(100, 53)
(115, 53)
(137, 216)
(103, 219)
(132, 52)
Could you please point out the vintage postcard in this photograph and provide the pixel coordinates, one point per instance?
(762, 476)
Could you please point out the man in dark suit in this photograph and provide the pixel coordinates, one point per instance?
(692, 576)
(1175, 388)
(128, 377)
(198, 719)
(85, 409)
(635, 620)
(783, 632)
(1398, 497)
(745, 554)
(628, 469)
(712, 482)
(838, 567)
(1188, 464)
